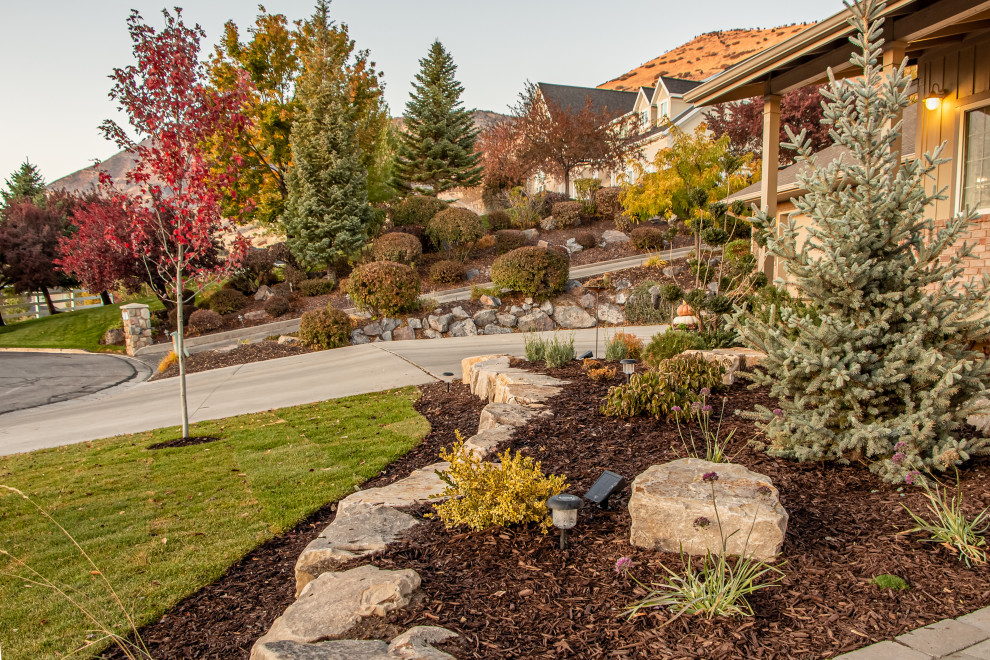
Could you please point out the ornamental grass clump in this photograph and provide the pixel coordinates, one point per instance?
(719, 588)
(555, 352)
(481, 495)
(946, 524)
(709, 436)
(892, 359)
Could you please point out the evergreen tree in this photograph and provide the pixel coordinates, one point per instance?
(26, 183)
(887, 376)
(327, 214)
(437, 150)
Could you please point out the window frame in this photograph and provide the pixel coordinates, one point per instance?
(965, 106)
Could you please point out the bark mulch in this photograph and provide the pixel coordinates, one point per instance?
(222, 620)
(253, 352)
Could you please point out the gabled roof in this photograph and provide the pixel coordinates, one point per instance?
(608, 101)
(648, 91)
(678, 86)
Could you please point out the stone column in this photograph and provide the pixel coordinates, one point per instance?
(137, 326)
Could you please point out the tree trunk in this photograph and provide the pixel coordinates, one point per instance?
(105, 298)
(180, 345)
(48, 301)
(2, 324)
(567, 182)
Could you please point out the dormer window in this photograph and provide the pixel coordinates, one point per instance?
(664, 113)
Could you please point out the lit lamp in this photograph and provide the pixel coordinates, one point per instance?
(934, 98)
(628, 368)
(446, 377)
(564, 514)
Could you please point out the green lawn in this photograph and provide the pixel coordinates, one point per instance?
(161, 524)
(79, 329)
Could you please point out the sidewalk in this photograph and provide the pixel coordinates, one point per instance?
(965, 638)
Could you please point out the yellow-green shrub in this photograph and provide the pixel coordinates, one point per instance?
(384, 288)
(482, 494)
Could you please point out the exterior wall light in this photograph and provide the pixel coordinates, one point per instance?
(564, 514)
(934, 98)
(628, 368)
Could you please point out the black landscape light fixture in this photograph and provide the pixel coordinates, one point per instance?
(585, 356)
(564, 514)
(607, 484)
(628, 368)
(447, 375)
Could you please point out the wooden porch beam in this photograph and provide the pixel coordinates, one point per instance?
(936, 17)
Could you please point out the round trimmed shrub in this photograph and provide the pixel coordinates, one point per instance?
(647, 238)
(419, 231)
(507, 240)
(325, 328)
(205, 320)
(384, 287)
(455, 229)
(624, 222)
(447, 272)
(398, 247)
(226, 301)
(277, 305)
(416, 210)
(498, 220)
(535, 271)
(567, 214)
(607, 201)
(319, 286)
(585, 239)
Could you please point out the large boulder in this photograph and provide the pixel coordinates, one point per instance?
(672, 510)
(469, 362)
(494, 329)
(485, 317)
(612, 236)
(571, 317)
(440, 323)
(508, 414)
(612, 314)
(484, 443)
(536, 321)
(420, 486)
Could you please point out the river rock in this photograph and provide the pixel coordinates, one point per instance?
(671, 509)
(430, 333)
(571, 317)
(535, 321)
(485, 317)
(465, 328)
(414, 323)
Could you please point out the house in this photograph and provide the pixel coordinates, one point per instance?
(948, 41)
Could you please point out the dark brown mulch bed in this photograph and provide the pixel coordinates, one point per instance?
(513, 594)
(254, 352)
(187, 441)
(222, 620)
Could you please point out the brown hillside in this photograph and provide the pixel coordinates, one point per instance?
(704, 55)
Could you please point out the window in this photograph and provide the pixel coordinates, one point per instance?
(976, 164)
(664, 113)
(644, 119)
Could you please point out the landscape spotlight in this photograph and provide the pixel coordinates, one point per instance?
(607, 484)
(564, 509)
(446, 377)
(585, 355)
(628, 367)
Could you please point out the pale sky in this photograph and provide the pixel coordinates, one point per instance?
(56, 54)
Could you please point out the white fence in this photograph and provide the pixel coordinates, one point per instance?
(18, 307)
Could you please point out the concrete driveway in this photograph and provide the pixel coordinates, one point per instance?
(32, 379)
(261, 386)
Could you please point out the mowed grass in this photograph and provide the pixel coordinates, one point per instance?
(162, 523)
(79, 329)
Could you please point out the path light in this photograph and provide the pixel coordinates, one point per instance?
(607, 484)
(564, 514)
(628, 368)
(446, 378)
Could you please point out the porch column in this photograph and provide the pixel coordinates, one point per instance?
(771, 157)
(893, 55)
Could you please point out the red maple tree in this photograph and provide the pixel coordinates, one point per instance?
(175, 220)
(500, 148)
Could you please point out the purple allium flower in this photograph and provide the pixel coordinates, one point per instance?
(623, 565)
(706, 409)
(705, 391)
(899, 458)
(696, 405)
(676, 409)
(701, 522)
(778, 412)
(912, 477)
(900, 446)
(709, 476)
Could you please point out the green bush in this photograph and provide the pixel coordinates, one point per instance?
(639, 305)
(534, 271)
(447, 272)
(399, 247)
(543, 202)
(507, 240)
(205, 320)
(666, 345)
(325, 328)
(647, 238)
(455, 229)
(497, 220)
(277, 306)
(416, 210)
(317, 287)
(694, 372)
(585, 239)
(607, 201)
(384, 288)
(554, 352)
(567, 214)
(665, 392)
(226, 301)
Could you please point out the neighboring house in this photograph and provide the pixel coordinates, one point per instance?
(651, 111)
(948, 40)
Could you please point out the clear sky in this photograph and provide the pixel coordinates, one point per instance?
(56, 54)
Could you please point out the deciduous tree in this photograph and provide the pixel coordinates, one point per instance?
(499, 146)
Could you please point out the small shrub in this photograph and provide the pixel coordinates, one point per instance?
(482, 494)
(624, 222)
(694, 372)
(585, 239)
(259, 265)
(419, 231)
(398, 247)
(888, 581)
(601, 374)
(622, 346)
(277, 306)
(534, 271)
(325, 328)
(507, 240)
(639, 305)
(544, 202)
(447, 272)
(607, 201)
(317, 287)
(665, 392)
(647, 238)
(455, 229)
(497, 220)
(585, 190)
(294, 276)
(241, 281)
(666, 345)
(384, 288)
(281, 252)
(559, 353)
(567, 214)
(227, 301)
(655, 262)
(535, 347)
(486, 242)
(523, 210)
(416, 210)
(167, 361)
(205, 320)
(478, 291)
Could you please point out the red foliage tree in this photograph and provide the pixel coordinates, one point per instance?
(743, 122)
(499, 147)
(176, 219)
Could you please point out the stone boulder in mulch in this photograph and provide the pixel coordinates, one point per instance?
(672, 510)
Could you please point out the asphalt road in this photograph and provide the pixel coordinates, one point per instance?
(28, 380)
(261, 386)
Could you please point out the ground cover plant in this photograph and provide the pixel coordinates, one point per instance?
(162, 523)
